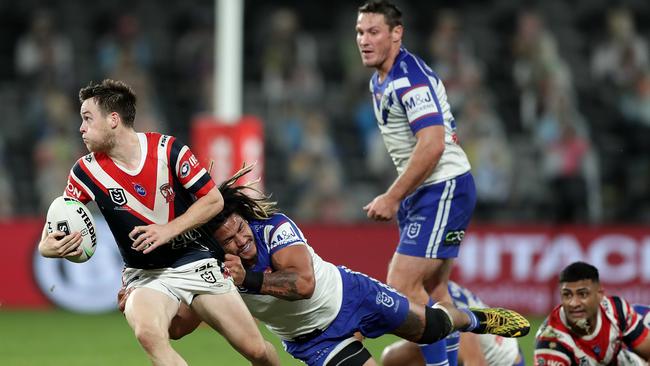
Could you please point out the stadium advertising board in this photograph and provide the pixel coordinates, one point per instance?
(510, 266)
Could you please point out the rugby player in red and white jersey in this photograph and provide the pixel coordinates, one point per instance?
(155, 196)
(590, 328)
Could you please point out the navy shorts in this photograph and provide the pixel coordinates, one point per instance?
(432, 220)
(368, 306)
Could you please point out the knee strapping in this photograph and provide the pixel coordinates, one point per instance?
(437, 325)
(354, 354)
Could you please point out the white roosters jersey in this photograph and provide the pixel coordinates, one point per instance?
(618, 329)
(411, 98)
(289, 319)
(498, 351)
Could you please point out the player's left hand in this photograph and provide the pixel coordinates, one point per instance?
(150, 237)
(382, 208)
(235, 267)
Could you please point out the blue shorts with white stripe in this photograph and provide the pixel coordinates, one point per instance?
(432, 220)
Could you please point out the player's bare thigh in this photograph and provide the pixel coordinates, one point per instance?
(228, 314)
(150, 308)
(418, 278)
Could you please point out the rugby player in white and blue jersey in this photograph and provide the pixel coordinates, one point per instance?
(314, 306)
(433, 196)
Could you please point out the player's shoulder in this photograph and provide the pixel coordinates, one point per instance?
(410, 66)
(159, 138)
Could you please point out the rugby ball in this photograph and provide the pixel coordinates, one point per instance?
(69, 215)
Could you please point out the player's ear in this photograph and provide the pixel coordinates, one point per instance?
(396, 33)
(114, 119)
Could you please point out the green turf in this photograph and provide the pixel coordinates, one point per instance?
(31, 338)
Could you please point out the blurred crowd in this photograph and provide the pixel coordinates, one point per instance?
(551, 99)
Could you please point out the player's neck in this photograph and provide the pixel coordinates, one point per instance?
(126, 151)
(384, 69)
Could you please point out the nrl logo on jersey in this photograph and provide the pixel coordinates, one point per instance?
(117, 196)
(413, 230)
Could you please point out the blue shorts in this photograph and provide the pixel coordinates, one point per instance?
(433, 219)
(368, 306)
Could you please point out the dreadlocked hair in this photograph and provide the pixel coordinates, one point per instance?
(254, 205)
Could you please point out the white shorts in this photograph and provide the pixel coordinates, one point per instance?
(182, 283)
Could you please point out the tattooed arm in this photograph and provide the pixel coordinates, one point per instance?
(293, 278)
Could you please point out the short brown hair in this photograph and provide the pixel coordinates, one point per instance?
(392, 14)
(112, 96)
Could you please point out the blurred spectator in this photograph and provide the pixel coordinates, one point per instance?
(568, 165)
(314, 170)
(538, 68)
(194, 64)
(635, 103)
(482, 135)
(622, 57)
(58, 146)
(453, 58)
(289, 60)
(43, 55)
(125, 54)
(124, 41)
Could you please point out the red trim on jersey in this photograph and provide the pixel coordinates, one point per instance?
(170, 179)
(146, 177)
(206, 188)
(641, 338)
(76, 191)
(105, 190)
(551, 359)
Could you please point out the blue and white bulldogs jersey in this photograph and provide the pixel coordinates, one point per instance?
(289, 319)
(497, 350)
(412, 97)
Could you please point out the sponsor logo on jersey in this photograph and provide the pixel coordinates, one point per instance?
(117, 196)
(454, 237)
(413, 230)
(185, 169)
(419, 102)
(72, 190)
(163, 140)
(193, 161)
(139, 189)
(168, 192)
(284, 234)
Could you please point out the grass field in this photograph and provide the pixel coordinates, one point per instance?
(33, 338)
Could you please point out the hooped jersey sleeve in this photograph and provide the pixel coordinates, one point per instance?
(75, 188)
(192, 176)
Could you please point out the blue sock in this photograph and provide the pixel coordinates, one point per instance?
(435, 353)
(473, 320)
(453, 342)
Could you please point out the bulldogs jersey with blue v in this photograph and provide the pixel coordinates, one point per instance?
(410, 98)
(167, 181)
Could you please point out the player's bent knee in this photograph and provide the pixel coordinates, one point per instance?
(354, 354)
(437, 325)
(150, 337)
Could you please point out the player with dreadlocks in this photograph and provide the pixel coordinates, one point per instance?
(314, 306)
